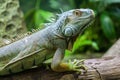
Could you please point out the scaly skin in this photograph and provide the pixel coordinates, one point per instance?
(52, 41)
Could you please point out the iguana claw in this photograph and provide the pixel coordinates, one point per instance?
(77, 65)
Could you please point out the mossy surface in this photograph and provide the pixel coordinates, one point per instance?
(11, 21)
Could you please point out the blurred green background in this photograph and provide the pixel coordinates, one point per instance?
(96, 39)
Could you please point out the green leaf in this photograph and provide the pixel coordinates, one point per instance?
(46, 14)
(95, 45)
(83, 41)
(41, 16)
(29, 19)
(37, 18)
(107, 26)
(67, 52)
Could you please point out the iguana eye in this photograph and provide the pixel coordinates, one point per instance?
(77, 13)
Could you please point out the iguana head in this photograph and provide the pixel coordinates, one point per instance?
(76, 21)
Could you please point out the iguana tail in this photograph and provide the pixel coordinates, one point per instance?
(26, 62)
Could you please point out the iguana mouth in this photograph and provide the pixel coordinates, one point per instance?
(85, 26)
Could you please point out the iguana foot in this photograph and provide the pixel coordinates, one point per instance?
(77, 65)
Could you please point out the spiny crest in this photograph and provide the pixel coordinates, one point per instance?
(52, 20)
(61, 10)
(7, 42)
(55, 17)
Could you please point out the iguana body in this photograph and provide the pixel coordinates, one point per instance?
(52, 41)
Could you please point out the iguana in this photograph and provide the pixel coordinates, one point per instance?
(33, 50)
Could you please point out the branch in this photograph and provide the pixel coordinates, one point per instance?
(102, 69)
(114, 50)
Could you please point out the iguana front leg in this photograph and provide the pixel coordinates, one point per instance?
(59, 66)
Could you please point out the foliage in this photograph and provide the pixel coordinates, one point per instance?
(106, 23)
(99, 37)
(107, 26)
